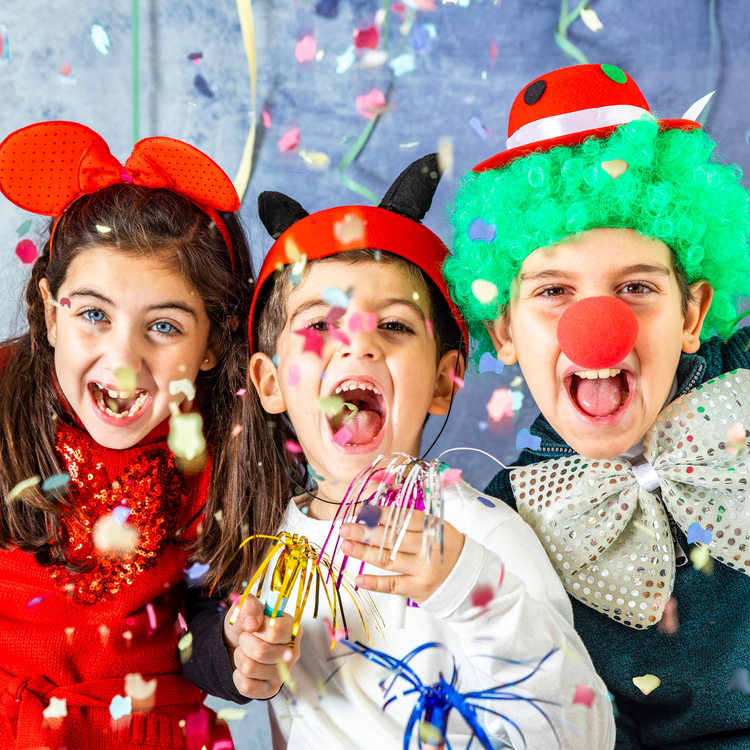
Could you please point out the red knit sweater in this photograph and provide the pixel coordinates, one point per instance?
(76, 636)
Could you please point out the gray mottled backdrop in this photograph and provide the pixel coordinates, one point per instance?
(470, 60)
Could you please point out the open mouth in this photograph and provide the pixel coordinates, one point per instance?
(364, 412)
(600, 393)
(119, 404)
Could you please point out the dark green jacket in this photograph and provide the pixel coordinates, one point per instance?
(692, 709)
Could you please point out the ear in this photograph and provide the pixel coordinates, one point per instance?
(50, 312)
(450, 367)
(692, 324)
(502, 339)
(265, 377)
(278, 212)
(412, 192)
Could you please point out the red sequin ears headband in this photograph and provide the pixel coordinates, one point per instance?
(46, 167)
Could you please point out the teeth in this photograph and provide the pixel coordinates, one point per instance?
(134, 408)
(593, 374)
(353, 385)
(113, 394)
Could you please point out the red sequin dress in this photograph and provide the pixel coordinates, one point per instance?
(75, 637)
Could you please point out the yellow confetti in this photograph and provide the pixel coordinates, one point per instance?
(589, 17)
(182, 386)
(139, 689)
(185, 644)
(430, 735)
(349, 229)
(286, 675)
(411, 144)
(445, 156)
(647, 683)
(315, 159)
(69, 633)
(292, 251)
(113, 537)
(186, 435)
(103, 229)
(231, 714)
(484, 291)
(701, 558)
(516, 381)
(125, 377)
(23, 486)
(329, 405)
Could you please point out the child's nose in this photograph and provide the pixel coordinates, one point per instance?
(360, 345)
(597, 332)
(124, 351)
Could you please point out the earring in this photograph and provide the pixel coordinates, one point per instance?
(205, 360)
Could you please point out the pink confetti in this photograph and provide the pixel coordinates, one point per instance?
(236, 430)
(235, 599)
(362, 322)
(26, 251)
(493, 51)
(305, 49)
(381, 475)
(339, 336)
(223, 745)
(458, 381)
(151, 618)
(368, 102)
(669, 622)
(500, 405)
(241, 392)
(430, 329)
(584, 694)
(182, 622)
(313, 340)
(366, 38)
(293, 375)
(482, 595)
(343, 436)
(289, 140)
(293, 447)
(196, 728)
(65, 69)
(333, 635)
(64, 302)
(451, 476)
(266, 118)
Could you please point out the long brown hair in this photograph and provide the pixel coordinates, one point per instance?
(141, 222)
(276, 474)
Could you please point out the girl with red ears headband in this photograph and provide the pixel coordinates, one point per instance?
(134, 314)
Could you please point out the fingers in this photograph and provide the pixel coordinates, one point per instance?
(370, 553)
(249, 618)
(411, 543)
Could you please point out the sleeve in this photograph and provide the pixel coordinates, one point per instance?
(503, 598)
(209, 666)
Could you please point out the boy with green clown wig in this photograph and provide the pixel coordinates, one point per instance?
(604, 252)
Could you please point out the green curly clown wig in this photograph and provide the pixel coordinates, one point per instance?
(670, 191)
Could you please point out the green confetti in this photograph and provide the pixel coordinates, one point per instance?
(186, 435)
(125, 377)
(614, 73)
(21, 231)
(329, 405)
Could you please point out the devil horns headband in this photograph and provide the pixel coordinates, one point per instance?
(393, 226)
(46, 167)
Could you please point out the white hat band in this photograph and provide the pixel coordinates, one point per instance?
(575, 122)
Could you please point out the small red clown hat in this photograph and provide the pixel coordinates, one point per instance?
(569, 105)
(393, 226)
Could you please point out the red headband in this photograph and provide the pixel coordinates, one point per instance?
(46, 167)
(336, 230)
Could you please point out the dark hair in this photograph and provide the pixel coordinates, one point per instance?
(142, 222)
(274, 473)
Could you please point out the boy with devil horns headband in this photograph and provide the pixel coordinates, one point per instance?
(600, 252)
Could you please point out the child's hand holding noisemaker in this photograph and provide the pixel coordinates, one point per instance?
(416, 578)
(257, 649)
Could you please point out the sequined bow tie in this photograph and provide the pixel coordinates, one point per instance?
(605, 523)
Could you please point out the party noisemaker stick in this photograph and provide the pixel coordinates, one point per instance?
(401, 484)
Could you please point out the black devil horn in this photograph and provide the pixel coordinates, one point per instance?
(278, 212)
(412, 192)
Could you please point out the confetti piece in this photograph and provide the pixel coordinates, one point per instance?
(701, 558)
(185, 645)
(57, 708)
(293, 447)
(584, 695)
(458, 381)
(230, 713)
(422, 39)
(305, 49)
(362, 322)
(500, 405)
(589, 17)
(516, 381)
(66, 75)
(288, 141)
(315, 159)
(195, 56)
(345, 60)
(56, 481)
(330, 405)
(121, 514)
(4, 49)
(647, 683)
(285, 675)
(366, 38)
(266, 118)
(430, 735)
(25, 226)
(486, 501)
(185, 438)
(196, 729)
(430, 330)
(517, 397)
(480, 230)
(368, 102)
(26, 251)
(740, 681)
(451, 476)
(125, 376)
(478, 128)
(696, 533)
(182, 386)
(489, 363)
(669, 622)
(112, 537)
(736, 440)
(139, 689)
(484, 291)
(343, 436)
(482, 595)
(313, 340)
(525, 439)
(64, 302)
(241, 392)
(196, 571)
(293, 378)
(402, 64)
(202, 86)
(327, 8)
(100, 38)
(336, 297)
(445, 156)
(224, 744)
(120, 707)
(369, 515)
(23, 486)
(349, 230)
(493, 51)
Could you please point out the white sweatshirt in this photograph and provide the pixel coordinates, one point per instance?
(529, 616)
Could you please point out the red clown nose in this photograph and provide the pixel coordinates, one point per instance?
(597, 332)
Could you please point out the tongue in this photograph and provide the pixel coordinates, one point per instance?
(599, 397)
(364, 426)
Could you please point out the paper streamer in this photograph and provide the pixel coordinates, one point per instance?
(245, 11)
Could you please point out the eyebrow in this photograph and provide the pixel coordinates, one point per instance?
(169, 305)
(552, 273)
(305, 306)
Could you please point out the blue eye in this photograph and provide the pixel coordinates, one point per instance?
(95, 316)
(164, 328)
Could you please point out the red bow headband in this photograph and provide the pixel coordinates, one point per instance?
(46, 167)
